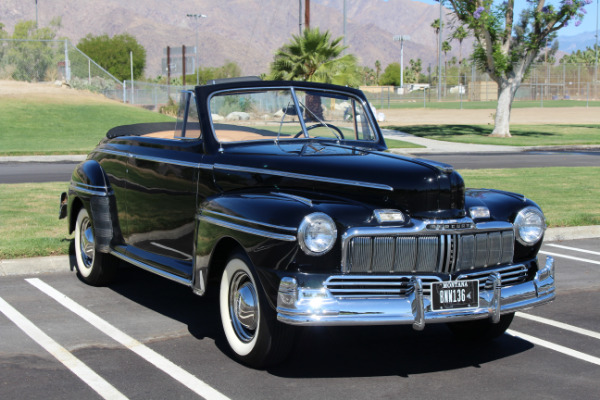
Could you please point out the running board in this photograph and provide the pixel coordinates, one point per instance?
(152, 269)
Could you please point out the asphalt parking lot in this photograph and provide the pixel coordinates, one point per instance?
(149, 338)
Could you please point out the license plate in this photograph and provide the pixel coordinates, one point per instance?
(454, 294)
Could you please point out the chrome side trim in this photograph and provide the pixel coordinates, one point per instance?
(249, 221)
(152, 269)
(92, 190)
(302, 200)
(172, 161)
(112, 152)
(246, 229)
(304, 177)
(156, 159)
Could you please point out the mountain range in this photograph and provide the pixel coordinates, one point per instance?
(245, 31)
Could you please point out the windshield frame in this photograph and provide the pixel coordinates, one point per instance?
(376, 142)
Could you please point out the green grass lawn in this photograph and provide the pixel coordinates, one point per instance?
(569, 197)
(42, 127)
(522, 135)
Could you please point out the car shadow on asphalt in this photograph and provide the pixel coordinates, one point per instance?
(324, 352)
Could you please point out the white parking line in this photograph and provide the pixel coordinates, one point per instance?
(569, 257)
(82, 371)
(556, 347)
(574, 249)
(559, 325)
(162, 363)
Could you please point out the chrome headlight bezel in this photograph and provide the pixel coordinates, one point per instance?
(317, 234)
(530, 225)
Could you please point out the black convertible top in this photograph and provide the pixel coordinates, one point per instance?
(140, 129)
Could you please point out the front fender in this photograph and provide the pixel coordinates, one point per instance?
(504, 206)
(265, 226)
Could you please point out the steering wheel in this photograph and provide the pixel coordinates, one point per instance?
(321, 124)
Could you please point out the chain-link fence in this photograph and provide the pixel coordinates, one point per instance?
(543, 83)
(59, 60)
(55, 61)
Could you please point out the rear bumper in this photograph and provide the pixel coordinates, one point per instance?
(299, 306)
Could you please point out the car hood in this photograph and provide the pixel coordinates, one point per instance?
(418, 187)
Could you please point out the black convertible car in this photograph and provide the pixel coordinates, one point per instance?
(281, 199)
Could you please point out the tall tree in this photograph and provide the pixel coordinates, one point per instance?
(377, 70)
(460, 34)
(112, 54)
(506, 48)
(315, 57)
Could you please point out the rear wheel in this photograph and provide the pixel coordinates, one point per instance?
(94, 267)
(250, 326)
(481, 330)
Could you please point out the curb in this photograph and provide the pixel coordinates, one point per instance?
(43, 159)
(54, 264)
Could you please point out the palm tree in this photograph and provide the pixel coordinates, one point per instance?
(377, 70)
(313, 57)
(460, 34)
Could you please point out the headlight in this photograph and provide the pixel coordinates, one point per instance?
(317, 234)
(530, 225)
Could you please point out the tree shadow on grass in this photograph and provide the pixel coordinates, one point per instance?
(443, 132)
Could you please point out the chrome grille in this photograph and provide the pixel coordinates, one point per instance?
(510, 275)
(428, 253)
(352, 286)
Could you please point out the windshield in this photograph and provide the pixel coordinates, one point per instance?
(278, 114)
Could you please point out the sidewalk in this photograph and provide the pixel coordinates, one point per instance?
(437, 146)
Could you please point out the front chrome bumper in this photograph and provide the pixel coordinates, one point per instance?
(300, 306)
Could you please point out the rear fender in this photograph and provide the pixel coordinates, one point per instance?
(90, 189)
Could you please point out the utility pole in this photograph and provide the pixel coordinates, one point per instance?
(307, 14)
(597, 14)
(36, 15)
(344, 25)
(299, 17)
(196, 16)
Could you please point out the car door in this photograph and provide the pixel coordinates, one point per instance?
(162, 182)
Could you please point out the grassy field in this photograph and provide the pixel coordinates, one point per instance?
(522, 135)
(34, 126)
(30, 225)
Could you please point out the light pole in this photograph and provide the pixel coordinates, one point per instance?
(401, 39)
(439, 86)
(196, 16)
(36, 15)
(597, 13)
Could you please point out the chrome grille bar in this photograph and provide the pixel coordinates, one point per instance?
(428, 253)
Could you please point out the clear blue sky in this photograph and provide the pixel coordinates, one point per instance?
(588, 24)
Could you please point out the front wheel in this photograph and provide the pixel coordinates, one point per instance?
(94, 268)
(252, 331)
(481, 330)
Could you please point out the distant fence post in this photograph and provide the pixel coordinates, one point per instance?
(124, 91)
(67, 68)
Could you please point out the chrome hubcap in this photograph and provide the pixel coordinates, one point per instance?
(243, 306)
(86, 243)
